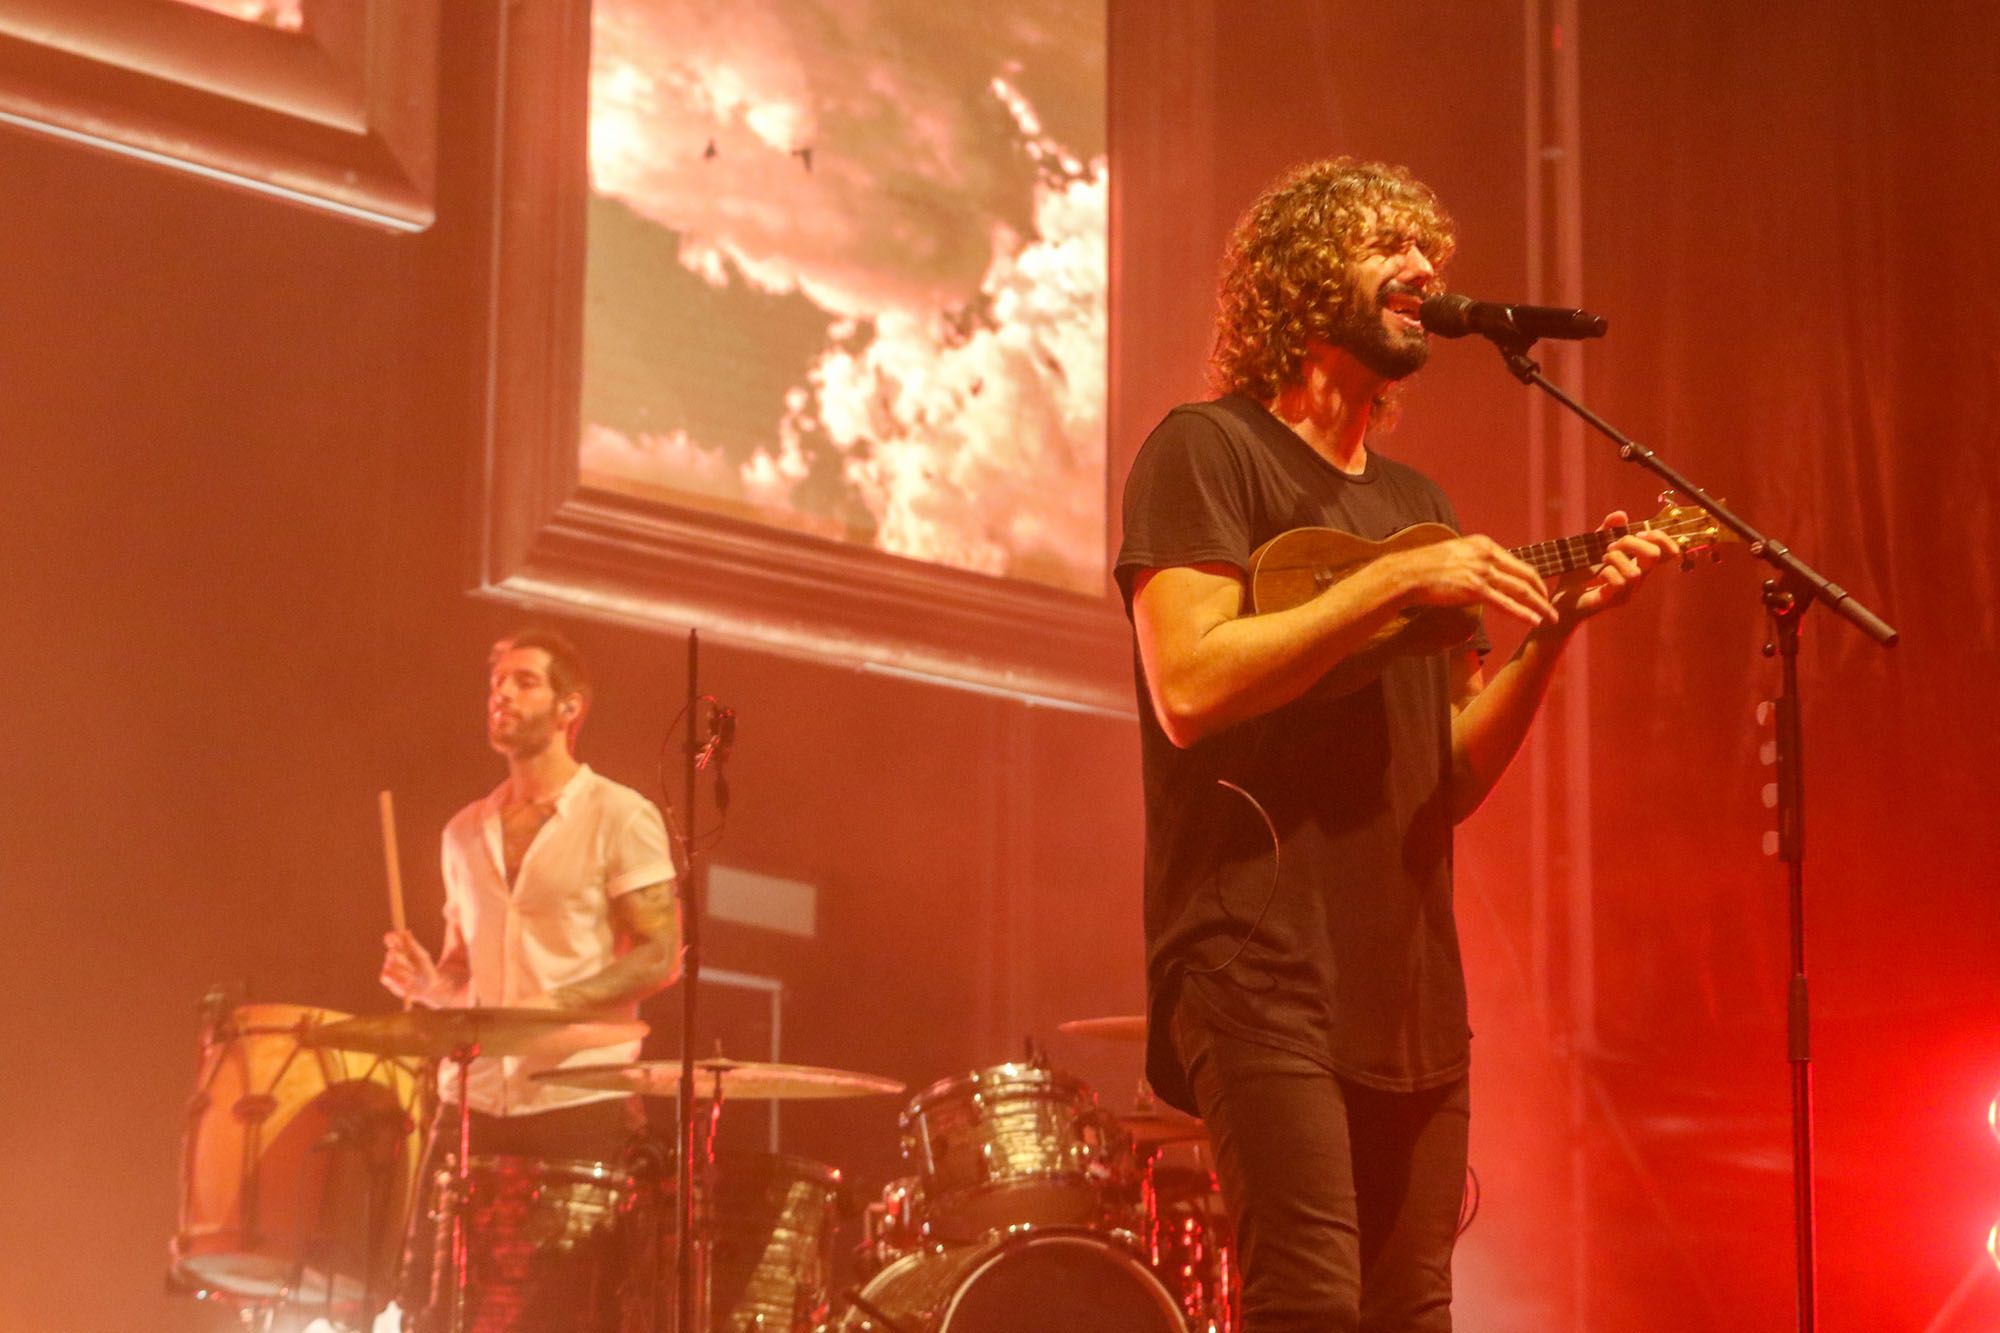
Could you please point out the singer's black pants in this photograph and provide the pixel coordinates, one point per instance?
(1344, 1199)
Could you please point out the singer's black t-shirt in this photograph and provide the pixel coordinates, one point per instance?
(1355, 962)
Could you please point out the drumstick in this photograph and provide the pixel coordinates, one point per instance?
(394, 863)
(387, 801)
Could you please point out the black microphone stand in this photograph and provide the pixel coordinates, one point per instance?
(1795, 587)
(690, 1277)
(691, 913)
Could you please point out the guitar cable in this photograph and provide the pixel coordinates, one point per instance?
(1270, 896)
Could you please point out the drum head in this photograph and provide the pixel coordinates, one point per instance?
(1061, 1284)
(1037, 1282)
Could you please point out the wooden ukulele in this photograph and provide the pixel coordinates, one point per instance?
(1298, 565)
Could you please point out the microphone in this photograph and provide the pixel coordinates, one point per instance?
(1450, 315)
(721, 736)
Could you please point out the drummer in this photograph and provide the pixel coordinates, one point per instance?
(559, 893)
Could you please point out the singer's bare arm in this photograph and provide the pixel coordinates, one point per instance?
(1490, 719)
(1209, 666)
(649, 925)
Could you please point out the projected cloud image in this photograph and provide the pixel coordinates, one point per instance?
(847, 273)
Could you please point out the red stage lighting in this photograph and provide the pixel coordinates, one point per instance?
(1993, 1123)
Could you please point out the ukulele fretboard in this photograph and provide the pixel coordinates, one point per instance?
(1565, 555)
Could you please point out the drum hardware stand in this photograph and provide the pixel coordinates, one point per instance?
(1149, 1203)
(259, 1314)
(888, 1321)
(461, 1203)
(356, 1132)
(1786, 598)
(702, 1250)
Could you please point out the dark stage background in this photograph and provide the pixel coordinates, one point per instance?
(236, 507)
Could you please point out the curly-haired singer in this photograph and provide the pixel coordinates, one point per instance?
(1305, 994)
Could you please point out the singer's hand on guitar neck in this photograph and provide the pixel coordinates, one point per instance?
(1625, 566)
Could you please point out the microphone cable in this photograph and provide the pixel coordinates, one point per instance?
(1270, 895)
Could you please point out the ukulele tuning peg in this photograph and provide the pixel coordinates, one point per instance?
(1669, 496)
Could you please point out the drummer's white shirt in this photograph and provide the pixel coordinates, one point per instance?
(554, 926)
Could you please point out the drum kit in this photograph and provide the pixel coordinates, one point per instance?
(1028, 1205)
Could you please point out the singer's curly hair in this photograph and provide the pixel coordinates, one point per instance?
(1287, 274)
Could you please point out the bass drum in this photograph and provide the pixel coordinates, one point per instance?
(297, 1163)
(1030, 1282)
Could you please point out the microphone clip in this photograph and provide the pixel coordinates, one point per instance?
(721, 737)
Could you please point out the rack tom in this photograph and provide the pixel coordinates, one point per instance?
(1010, 1146)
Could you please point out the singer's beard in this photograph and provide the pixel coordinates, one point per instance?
(523, 736)
(1360, 329)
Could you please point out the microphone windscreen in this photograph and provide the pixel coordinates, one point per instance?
(1445, 314)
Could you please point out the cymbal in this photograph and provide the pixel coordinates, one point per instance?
(1161, 1126)
(1123, 1027)
(742, 1080)
(436, 1034)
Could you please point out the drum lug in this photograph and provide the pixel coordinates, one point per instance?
(254, 1108)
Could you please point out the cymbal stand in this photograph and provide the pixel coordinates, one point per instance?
(1149, 1201)
(461, 1203)
(703, 1249)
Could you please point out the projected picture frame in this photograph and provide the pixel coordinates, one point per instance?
(556, 530)
(334, 106)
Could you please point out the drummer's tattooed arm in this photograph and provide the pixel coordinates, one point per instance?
(648, 920)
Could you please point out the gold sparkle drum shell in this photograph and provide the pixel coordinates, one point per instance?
(550, 1245)
(1013, 1145)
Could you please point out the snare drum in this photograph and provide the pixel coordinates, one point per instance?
(1031, 1282)
(297, 1163)
(1014, 1145)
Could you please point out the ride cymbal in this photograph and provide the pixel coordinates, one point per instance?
(739, 1080)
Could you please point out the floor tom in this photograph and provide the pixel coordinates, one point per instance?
(549, 1244)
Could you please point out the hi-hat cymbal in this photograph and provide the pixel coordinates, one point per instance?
(1123, 1027)
(1162, 1125)
(740, 1080)
(438, 1034)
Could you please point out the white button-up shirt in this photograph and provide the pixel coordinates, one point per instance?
(553, 926)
